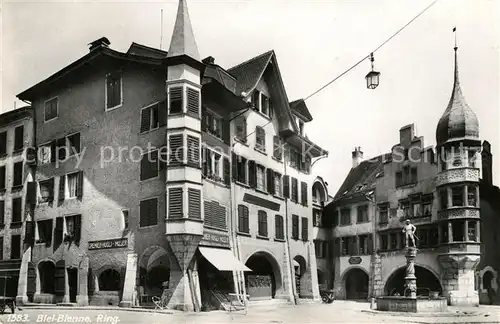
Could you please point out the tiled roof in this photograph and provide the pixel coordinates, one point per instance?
(362, 178)
(300, 107)
(249, 72)
(14, 115)
(458, 120)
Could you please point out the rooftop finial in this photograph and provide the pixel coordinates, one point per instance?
(455, 32)
(183, 41)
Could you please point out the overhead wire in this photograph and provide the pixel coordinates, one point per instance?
(358, 62)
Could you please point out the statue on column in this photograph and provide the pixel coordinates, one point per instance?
(409, 230)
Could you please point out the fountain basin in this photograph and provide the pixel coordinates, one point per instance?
(412, 305)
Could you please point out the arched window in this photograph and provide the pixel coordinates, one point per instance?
(109, 280)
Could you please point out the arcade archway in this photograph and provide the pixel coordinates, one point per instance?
(46, 273)
(356, 284)
(299, 265)
(265, 279)
(154, 269)
(426, 282)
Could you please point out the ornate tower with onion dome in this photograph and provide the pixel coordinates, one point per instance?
(457, 187)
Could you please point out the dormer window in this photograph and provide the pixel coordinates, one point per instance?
(261, 103)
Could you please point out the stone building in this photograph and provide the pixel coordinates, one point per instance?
(438, 190)
(161, 170)
(16, 137)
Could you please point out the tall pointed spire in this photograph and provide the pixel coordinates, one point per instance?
(183, 41)
(458, 121)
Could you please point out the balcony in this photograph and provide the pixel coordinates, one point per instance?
(459, 212)
(457, 175)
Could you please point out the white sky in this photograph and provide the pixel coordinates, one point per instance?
(314, 42)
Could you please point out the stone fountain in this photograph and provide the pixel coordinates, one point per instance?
(410, 302)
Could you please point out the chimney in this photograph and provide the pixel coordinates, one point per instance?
(487, 163)
(357, 156)
(209, 60)
(101, 42)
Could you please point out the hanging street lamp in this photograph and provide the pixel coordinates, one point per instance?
(372, 78)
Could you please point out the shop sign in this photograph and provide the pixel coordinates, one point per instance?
(354, 260)
(108, 244)
(215, 239)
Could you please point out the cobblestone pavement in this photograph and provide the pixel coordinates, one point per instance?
(338, 312)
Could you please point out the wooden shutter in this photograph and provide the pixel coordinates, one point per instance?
(176, 100)
(162, 113)
(234, 165)
(53, 149)
(286, 186)
(18, 138)
(3, 143)
(145, 119)
(270, 181)
(176, 143)
(193, 157)
(61, 187)
(79, 185)
(2, 177)
(31, 283)
(295, 226)
(143, 213)
(303, 192)
(59, 278)
(48, 232)
(193, 101)
(61, 148)
(78, 229)
(255, 100)
(175, 202)
(295, 190)
(252, 174)
(370, 243)
(305, 229)
(58, 232)
(51, 189)
(194, 203)
(29, 232)
(31, 193)
(227, 172)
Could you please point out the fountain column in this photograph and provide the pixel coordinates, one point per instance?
(410, 278)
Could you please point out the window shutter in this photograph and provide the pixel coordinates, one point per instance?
(255, 100)
(58, 233)
(145, 119)
(78, 229)
(286, 186)
(226, 131)
(61, 148)
(18, 138)
(175, 203)
(31, 193)
(252, 174)
(370, 243)
(162, 113)
(59, 278)
(305, 229)
(193, 101)
(51, 190)
(270, 181)
(176, 143)
(79, 185)
(61, 188)
(3, 143)
(303, 191)
(48, 232)
(227, 173)
(193, 157)
(176, 100)
(153, 212)
(29, 234)
(53, 149)
(143, 212)
(234, 165)
(194, 203)
(2, 177)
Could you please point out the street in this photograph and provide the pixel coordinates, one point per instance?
(338, 312)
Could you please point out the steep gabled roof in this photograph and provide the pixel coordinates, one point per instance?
(183, 41)
(299, 107)
(362, 178)
(250, 72)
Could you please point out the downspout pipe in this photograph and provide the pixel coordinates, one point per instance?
(290, 260)
(34, 168)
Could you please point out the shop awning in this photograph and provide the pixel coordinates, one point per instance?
(222, 259)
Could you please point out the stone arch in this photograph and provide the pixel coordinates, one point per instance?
(355, 281)
(153, 269)
(45, 272)
(427, 280)
(488, 270)
(107, 276)
(266, 279)
(301, 277)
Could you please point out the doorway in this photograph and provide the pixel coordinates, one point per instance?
(73, 284)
